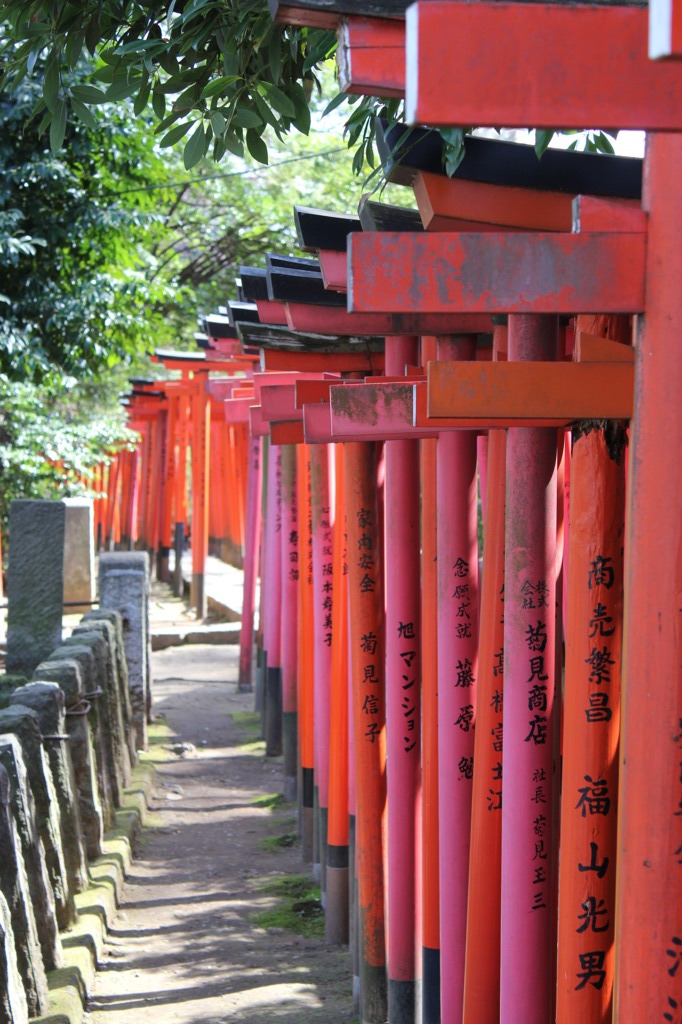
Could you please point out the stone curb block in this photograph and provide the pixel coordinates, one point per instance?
(193, 635)
(71, 985)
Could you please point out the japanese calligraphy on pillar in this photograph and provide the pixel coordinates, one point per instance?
(407, 634)
(365, 556)
(327, 575)
(463, 670)
(533, 603)
(595, 802)
(291, 538)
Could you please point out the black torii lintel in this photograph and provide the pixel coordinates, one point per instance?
(322, 229)
(242, 312)
(275, 337)
(386, 217)
(295, 286)
(254, 283)
(301, 263)
(497, 162)
(217, 325)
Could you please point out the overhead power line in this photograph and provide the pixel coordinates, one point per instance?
(229, 174)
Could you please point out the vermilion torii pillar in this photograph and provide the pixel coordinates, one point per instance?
(650, 814)
(403, 705)
(591, 710)
(290, 582)
(369, 718)
(323, 601)
(482, 965)
(457, 670)
(526, 967)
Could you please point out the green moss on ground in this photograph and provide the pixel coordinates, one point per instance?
(299, 911)
(270, 800)
(275, 843)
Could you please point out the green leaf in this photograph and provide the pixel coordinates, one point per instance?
(83, 114)
(256, 146)
(217, 86)
(333, 104)
(244, 117)
(604, 143)
(46, 119)
(159, 104)
(175, 134)
(58, 126)
(269, 116)
(234, 144)
(51, 82)
(88, 94)
(275, 52)
(171, 118)
(302, 120)
(281, 102)
(195, 147)
(218, 122)
(142, 99)
(543, 137)
(122, 88)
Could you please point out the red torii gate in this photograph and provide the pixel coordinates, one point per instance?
(650, 710)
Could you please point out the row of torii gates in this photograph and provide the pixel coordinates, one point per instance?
(488, 757)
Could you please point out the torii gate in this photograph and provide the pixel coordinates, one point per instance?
(549, 67)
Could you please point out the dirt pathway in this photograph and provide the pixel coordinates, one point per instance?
(184, 948)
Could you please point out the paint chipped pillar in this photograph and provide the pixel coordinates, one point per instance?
(79, 555)
(124, 587)
(34, 582)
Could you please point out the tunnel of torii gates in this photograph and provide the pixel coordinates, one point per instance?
(448, 442)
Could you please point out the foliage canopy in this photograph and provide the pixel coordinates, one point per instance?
(218, 72)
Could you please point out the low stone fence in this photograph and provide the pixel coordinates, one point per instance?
(69, 736)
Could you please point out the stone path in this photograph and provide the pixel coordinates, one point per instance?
(184, 948)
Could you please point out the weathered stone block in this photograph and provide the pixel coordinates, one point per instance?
(121, 667)
(34, 582)
(67, 673)
(124, 586)
(88, 654)
(47, 700)
(13, 1008)
(100, 637)
(79, 555)
(15, 889)
(14, 759)
(24, 722)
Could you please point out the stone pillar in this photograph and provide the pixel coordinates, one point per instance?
(47, 700)
(34, 582)
(14, 887)
(13, 1008)
(24, 723)
(124, 587)
(102, 683)
(103, 635)
(113, 617)
(14, 760)
(79, 555)
(95, 706)
(68, 674)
